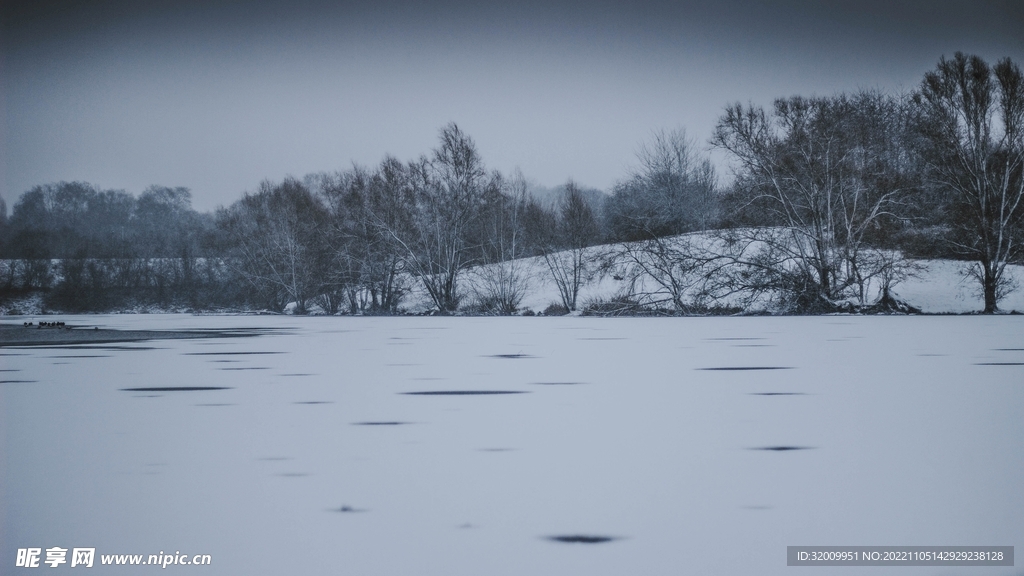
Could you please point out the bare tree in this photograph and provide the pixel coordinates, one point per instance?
(503, 278)
(822, 173)
(972, 120)
(683, 271)
(448, 190)
(390, 205)
(567, 257)
(343, 196)
(671, 191)
(278, 242)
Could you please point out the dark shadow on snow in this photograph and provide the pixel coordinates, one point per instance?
(176, 389)
(228, 353)
(347, 510)
(463, 392)
(717, 368)
(581, 539)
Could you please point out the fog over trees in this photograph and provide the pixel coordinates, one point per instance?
(831, 200)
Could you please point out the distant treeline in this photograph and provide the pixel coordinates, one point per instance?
(849, 185)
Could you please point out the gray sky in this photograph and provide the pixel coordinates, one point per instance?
(219, 95)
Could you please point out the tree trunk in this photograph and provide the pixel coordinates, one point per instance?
(991, 282)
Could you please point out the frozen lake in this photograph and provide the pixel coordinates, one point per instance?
(334, 445)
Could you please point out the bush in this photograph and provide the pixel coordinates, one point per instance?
(556, 309)
(618, 305)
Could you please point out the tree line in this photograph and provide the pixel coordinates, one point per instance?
(829, 196)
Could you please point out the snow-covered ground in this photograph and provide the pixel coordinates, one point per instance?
(909, 428)
(939, 288)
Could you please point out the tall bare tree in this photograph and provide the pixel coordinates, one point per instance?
(567, 257)
(670, 191)
(503, 278)
(972, 120)
(822, 173)
(449, 189)
(279, 247)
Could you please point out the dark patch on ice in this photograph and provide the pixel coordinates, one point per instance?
(17, 381)
(783, 448)
(292, 474)
(396, 423)
(557, 383)
(315, 402)
(148, 396)
(226, 361)
(82, 356)
(13, 354)
(466, 526)
(215, 404)
(176, 389)
(96, 335)
(98, 348)
(1009, 349)
(348, 510)
(581, 539)
(463, 392)
(511, 356)
(227, 353)
(296, 374)
(999, 363)
(748, 368)
(778, 394)
(114, 348)
(247, 368)
(10, 369)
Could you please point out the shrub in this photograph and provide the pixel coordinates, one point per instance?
(556, 309)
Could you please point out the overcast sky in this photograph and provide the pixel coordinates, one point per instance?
(219, 95)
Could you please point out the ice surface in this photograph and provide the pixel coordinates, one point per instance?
(321, 462)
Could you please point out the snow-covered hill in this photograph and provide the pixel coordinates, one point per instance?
(938, 286)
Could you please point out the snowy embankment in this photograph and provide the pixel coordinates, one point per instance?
(937, 286)
(943, 288)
